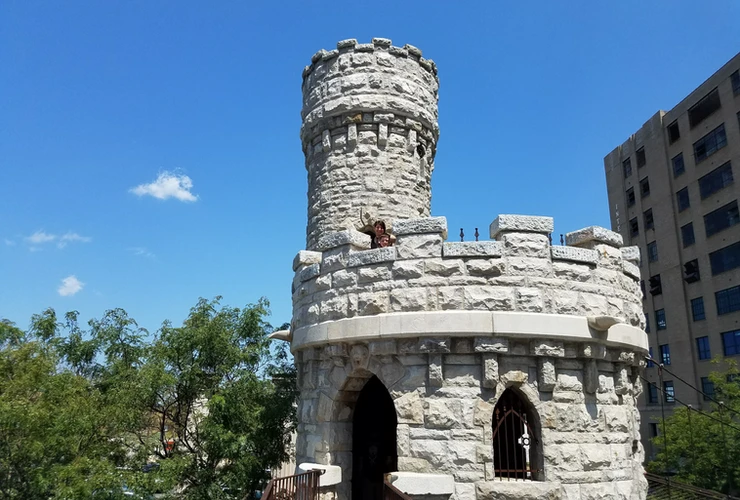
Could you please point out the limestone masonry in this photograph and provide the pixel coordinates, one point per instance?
(445, 334)
(369, 134)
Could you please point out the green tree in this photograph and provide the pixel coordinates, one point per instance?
(82, 410)
(701, 448)
(223, 405)
(54, 425)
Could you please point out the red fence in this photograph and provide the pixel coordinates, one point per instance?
(303, 486)
(390, 492)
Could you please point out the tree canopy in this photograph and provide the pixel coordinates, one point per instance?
(198, 411)
(702, 447)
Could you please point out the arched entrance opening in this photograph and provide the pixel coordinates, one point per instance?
(516, 453)
(373, 441)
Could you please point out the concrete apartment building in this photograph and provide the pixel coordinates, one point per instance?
(673, 191)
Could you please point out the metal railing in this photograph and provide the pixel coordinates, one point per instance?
(303, 486)
(390, 492)
(665, 488)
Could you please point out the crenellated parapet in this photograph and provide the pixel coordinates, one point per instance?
(413, 287)
(366, 78)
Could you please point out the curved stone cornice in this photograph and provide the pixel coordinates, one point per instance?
(499, 324)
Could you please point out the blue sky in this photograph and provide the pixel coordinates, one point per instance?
(99, 98)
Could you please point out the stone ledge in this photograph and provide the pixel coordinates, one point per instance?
(306, 258)
(373, 256)
(631, 254)
(427, 225)
(417, 483)
(332, 473)
(472, 249)
(495, 325)
(590, 236)
(309, 272)
(340, 238)
(575, 254)
(521, 224)
(519, 489)
(631, 269)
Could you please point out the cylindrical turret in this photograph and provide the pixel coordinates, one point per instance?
(369, 135)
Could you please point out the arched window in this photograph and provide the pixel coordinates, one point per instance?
(516, 453)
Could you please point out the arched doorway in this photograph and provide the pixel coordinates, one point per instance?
(515, 439)
(373, 441)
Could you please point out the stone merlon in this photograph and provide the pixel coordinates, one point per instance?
(520, 224)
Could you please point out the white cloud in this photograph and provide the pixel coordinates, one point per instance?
(70, 286)
(66, 238)
(40, 237)
(141, 252)
(8, 242)
(167, 185)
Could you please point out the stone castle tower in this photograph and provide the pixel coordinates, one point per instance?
(498, 369)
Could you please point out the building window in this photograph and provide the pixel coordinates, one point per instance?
(652, 251)
(653, 430)
(715, 180)
(630, 197)
(650, 362)
(705, 107)
(627, 167)
(513, 428)
(648, 219)
(665, 354)
(722, 218)
(660, 319)
(652, 393)
(707, 387)
(640, 154)
(728, 300)
(634, 228)
(725, 259)
(647, 323)
(678, 165)
(702, 347)
(687, 234)
(673, 133)
(655, 286)
(682, 199)
(691, 271)
(710, 144)
(642, 289)
(731, 343)
(644, 187)
(735, 79)
(670, 395)
(697, 310)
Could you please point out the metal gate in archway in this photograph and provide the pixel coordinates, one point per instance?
(514, 440)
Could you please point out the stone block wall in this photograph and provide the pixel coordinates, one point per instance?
(369, 134)
(447, 327)
(444, 391)
(519, 271)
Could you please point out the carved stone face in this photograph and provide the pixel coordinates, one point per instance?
(360, 357)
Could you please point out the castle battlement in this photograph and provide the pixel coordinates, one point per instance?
(368, 77)
(346, 287)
